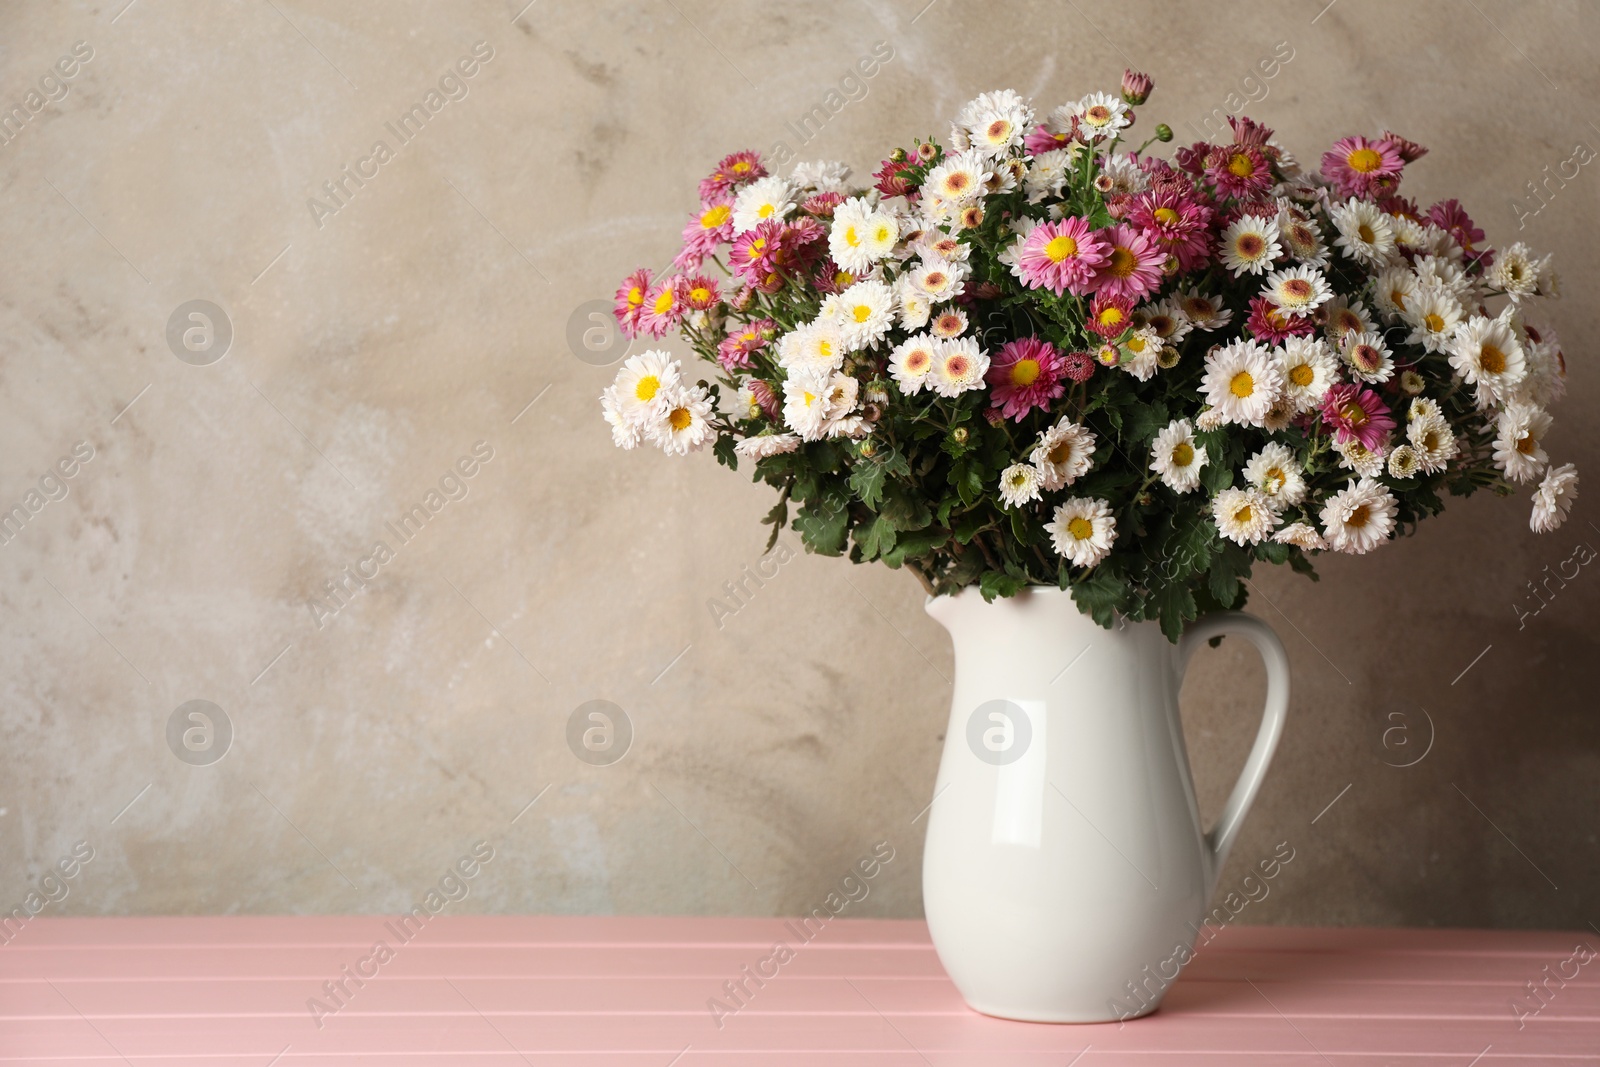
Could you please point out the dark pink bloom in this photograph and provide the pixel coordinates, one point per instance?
(1079, 366)
(1238, 170)
(1249, 131)
(1409, 151)
(700, 293)
(1267, 325)
(1050, 135)
(755, 252)
(765, 397)
(663, 308)
(735, 349)
(739, 168)
(709, 229)
(1192, 160)
(1062, 256)
(1110, 315)
(1133, 264)
(1359, 167)
(892, 181)
(1357, 413)
(630, 300)
(822, 204)
(1450, 215)
(1025, 374)
(1170, 216)
(1136, 87)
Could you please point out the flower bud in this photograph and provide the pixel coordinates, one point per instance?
(959, 435)
(1163, 133)
(866, 448)
(1136, 87)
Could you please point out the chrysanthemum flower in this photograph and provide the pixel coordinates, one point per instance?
(764, 445)
(1083, 530)
(1064, 453)
(1062, 256)
(938, 279)
(1101, 115)
(1515, 273)
(1364, 232)
(754, 252)
(1359, 517)
(1554, 498)
(1355, 413)
(995, 122)
(1025, 374)
(1367, 358)
(1250, 244)
(1243, 516)
(1450, 216)
(735, 170)
(805, 402)
(1141, 353)
(1486, 353)
(700, 293)
(1268, 324)
(764, 200)
(1177, 457)
(958, 367)
(1403, 462)
(735, 350)
(1518, 447)
(630, 300)
(1177, 223)
(1433, 316)
(1205, 312)
(1238, 170)
(1302, 535)
(663, 308)
(711, 228)
(1276, 471)
(861, 235)
(815, 347)
(1242, 380)
(1297, 291)
(1132, 266)
(1077, 366)
(1019, 485)
(1356, 165)
(959, 179)
(951, 322)
(1302, 239)
(1341, 318)
(1434, 441)
(1110, 315)
(682, 424)
(1136, 86)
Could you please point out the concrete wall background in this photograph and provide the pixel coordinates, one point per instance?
(370, 353)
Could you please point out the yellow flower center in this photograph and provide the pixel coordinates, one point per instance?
(1081, 528)
(1061, 248)
(1526, 444)
(851, 238)
(1136, 344)
(740, 167)
(635, 297)
(1122, 262)
(1302, 375)
(1242, 516)
(1364, 160)
(1059, 453)
(844, 279)
(1492, 360)
(918, 361)
(1165, 215)
(1297, 290)
(758, 244)
(700, 295)
(957, 183)
(1275, 479)
(1111, 316)
(1182, 454)
(1024, 372)
(1434, 322)
(1365, 233)
(998, 131)
(663, 302)
(1397, 297)
(647, 388)
(1239, 165)
(825, 348)
(680, 418)
(861, 312)
(1242, 385)
(1360, 516)
(1354, 414)
(715, 216)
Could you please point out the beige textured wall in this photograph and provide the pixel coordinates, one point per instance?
(372, 351)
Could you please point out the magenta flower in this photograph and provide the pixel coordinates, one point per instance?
(1078, 366)
(1132, 267)
(663, 308)
(739, 168)
(1062, 256)
(630, 300)
(755, 252)
(1136, 87)
(1359, 167)
(735, 350)
(1176, 222)
(711, 228)
(1357, 413)
(1450, 215)
(1238, 170)
(1271, 326)
(1025, 374)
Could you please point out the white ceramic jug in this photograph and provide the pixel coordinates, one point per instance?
(1066, 870)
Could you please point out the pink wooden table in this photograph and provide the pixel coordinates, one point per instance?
(495, 990)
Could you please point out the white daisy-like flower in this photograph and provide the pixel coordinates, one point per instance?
(626, 433)
(1101, 115)
(1209, 419)
(1048, 173)
(1342, 318)
(1486, 353)
(1297, 291)
(1083, 530)
(1168, 319)
(958, 179)
(959, 366)
(839, 403)
(1302, 239)
(1011, 254)
(1367, 358)
(1394, 290)
(1302, 535)
(1433, 317)
(1412, 382)
(1122, 174)
(766, 198)
(1437, 272)
(1549, 281)
(861, 235)
(1409, 234)
(936, 244)
(912, 361)
(865, 313)
(643, 383)
(951, 322)
(939, 279)
(1518, 450)
(1515, 272)
(996, 122)
(816, 347)
(1275, 471)
(1546, 380)
(821, 176)
(1435, 442)
(683, 422)
(771, 444)
(1243, 516)
(1205, 312)
(1554, 498)
(1280, 415)
(1020, 484)
(1359, 517)
(1141, 353)
(1242, 380)
(1355, 456)
(1364, 232)
(915, 309)
(1309, 368)
(1250, 244)
(805, 403)
(1177, 458)
(1404, 463)
(1064, 454)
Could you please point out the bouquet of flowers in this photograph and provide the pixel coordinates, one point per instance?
(1028, 356)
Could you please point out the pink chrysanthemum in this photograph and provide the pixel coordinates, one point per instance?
(804, 241)
(1110, 315)
(709, 229)
(700, 293)
(1450, 215)
(1051, 134)
(1133, 264)
(1247, 130)
(1238, 170)
(754, 253)
(822, 204)
(735, 350)
(1192, 160)
(1355, 412)
(1171, 218)
(1078, 366)
(1025, 374)
(1410, 151)
(1136, 87)
(1062, 256)
(892, 180)
(663, 308)
(630, 300)
(764, 397)
(1359, 167)
(736, 169)
(1270, 326)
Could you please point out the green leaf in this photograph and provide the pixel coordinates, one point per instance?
(723, 450)
(1227, 567)
(997, 583)
(875, 537)
(1175, 606)
(866, 481)
(1144, 421)
(1101, 595)
(915, 545)
(822, 527)
(968, 525)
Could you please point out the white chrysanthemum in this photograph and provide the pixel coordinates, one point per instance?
(939, 279)
(1549, 281)
(1430, 434)
(1205, 312)
(766, 198)
(1302, 239)
(1359, 517)
(958, 179)
(951, 322)
(1412, 382)
(1123, 174)
(1242, 380)
(915, 309)
(1010, 255)
(1020, 484)
(1546, 380)
(1515, 272)
(1168, 319)
(1486, 353)
(1367, 358)
(625, 432)
(839, 402)
(1209, 419)
(1409, 234)
(1276, 472)
(683, 422)
(1518, 447)
(1423, 406)
(815, 347)
(1394, 290)
(821, 176)
(1101, 115)
(1141, 353)
(805, 403)
(1243, 516)
(1083, 530)
(1364, 232)
(1404, 463)
(1297, 291)
(958, 367)
(865, 313)
(1554, 498)
(1309, 368)
(1048, 173)
(1433, 317)
(771, 444)
(1302, 535)
(1355, 456)
(1438, 272)
(1343, 318)
(1177, 458)
(1064, 454)
(861, 235)
(996, 122)
(1250, 244)
(642, 384)
(912, 361)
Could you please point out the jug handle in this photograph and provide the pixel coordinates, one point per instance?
(1262, 636)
